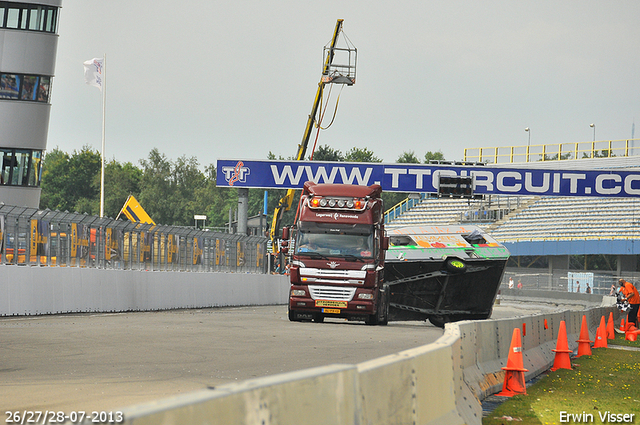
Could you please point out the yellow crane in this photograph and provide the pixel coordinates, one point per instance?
(331, 73)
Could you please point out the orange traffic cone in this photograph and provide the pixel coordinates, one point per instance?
(514, 378)
(631, 335)
(622, 325)
(563, 358)
(611, 333)
(601, 335)
(584, 343)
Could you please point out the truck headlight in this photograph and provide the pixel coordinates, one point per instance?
(298, 292)
(365, 296)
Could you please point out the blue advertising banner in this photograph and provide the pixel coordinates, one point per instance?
(425, 178)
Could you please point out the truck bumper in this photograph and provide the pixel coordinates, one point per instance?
(305, 308)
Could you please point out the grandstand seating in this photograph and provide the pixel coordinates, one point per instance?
(534, 218)
(557, 218)
(435, 211)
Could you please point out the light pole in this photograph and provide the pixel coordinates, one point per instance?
(592, 125)
(529, 142)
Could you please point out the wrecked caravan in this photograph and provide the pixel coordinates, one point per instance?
(443, 273)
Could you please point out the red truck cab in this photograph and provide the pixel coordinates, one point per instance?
(337, 265)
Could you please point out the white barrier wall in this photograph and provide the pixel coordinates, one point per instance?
(317, 396)
(49, 290)
(440, 383)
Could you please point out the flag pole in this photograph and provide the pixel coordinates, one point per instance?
(104, 104)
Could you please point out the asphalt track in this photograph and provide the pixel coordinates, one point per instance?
(98, 362)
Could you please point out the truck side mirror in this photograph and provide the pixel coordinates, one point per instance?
(285, 233)
(385, 243)
(284, 246)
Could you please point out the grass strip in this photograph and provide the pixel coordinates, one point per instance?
(600, 389)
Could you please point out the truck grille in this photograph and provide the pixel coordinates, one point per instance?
(313, 275)
(331, 293)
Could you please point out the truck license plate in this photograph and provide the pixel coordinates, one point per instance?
(331, 303)
(331, 310)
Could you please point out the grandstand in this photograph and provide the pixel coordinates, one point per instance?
(446, 211)
(566, 218)
(518, 219)
(548, 236)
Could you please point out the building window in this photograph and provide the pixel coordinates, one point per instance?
(35, 88)
(13, 16)
(9, 86)
(20, 167)
(43, 89)
(31, 17)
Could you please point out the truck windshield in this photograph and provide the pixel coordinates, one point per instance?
(335, 240)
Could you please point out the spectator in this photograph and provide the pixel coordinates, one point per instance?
(631, 295)
(510, 283)
(613, 291)
(578, 287)
(588, 290)
(519, 284)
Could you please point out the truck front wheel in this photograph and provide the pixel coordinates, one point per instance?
(382, 315)
(292, 316)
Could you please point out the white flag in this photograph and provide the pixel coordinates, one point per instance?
(93, 72)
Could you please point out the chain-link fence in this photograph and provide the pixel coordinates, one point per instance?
(599, 282)
(29, 236)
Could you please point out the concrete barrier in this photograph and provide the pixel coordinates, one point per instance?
(486, 344)
(28, 290)
(322, 395)
(439, 383)
(417, 386)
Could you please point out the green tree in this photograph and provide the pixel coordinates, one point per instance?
(214, 201)
(433, 156)
(408, 158)
(604, 153)
(120, 181)
(55, 175)
(555, 157)
(272, 157)
(71, 182)
(361, 155)
(326, 153)
(172, 192)
(187, 179)
(156, 189)
(85, 168)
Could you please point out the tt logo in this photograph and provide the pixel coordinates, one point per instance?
(333, 264)
(238, 173)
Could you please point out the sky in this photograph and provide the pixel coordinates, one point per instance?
(237, 80)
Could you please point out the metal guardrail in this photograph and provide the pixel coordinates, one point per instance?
(490, 209)
(29, 236)
(401, 207)
(553, 152)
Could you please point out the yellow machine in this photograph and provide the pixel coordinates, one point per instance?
(134, 211)
(331, 73)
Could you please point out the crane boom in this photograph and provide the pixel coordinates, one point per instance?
(285, 202)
